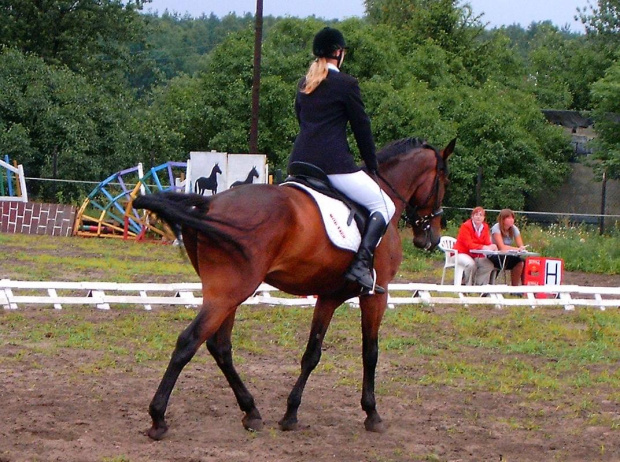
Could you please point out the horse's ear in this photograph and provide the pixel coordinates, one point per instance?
(449, 149)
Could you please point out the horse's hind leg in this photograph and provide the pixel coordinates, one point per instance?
(220, 347)
(187, 344)
(372, 308)
(323, 312)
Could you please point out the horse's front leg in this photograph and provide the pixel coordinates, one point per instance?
(187, 344)
(220, 347)
(372, 308)
(323, 313)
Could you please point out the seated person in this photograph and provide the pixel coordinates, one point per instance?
(474, 235)
(506, 236)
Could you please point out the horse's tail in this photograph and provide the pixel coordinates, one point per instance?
(178, 209)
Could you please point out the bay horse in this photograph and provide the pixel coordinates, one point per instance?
(244, 236)
(208, 184)
(249, 179)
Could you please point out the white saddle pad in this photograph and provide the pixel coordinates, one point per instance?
(335, 215)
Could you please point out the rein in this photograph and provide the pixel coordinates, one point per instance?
(412, 216)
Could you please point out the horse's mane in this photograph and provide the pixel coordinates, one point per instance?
(396, 148)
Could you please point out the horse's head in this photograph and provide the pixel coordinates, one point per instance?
(216, 169)
(254, 173)
(424, 210)
(419, 188)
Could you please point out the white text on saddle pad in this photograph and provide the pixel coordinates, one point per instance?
(335, 215)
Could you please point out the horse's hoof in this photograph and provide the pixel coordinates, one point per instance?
(252, 424)
(288, 425)
(375, 425)
(157, 433)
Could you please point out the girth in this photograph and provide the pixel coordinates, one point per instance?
(313, 177)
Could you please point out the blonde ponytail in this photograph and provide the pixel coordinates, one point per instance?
(316, 74)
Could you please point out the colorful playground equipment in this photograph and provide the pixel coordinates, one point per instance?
(106, 212)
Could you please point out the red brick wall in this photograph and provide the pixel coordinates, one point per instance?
(36, 218)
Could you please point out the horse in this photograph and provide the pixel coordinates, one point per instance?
(208, 184)
(249, 180)
(244, 236)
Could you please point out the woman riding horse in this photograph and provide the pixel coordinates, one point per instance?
(239, 238)
(244, 236)
(326, 101)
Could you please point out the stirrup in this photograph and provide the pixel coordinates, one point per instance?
(376, 289)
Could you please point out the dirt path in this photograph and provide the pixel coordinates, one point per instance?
(62, 407)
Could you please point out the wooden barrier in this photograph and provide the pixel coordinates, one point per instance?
(104, 294)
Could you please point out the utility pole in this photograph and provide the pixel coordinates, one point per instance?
(258, 38)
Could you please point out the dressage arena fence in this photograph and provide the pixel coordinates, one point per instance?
(104, 294)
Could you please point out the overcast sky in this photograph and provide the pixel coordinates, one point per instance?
(496, 12)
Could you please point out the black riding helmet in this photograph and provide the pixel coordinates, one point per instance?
(326, 41)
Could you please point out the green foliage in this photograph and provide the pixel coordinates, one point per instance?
(559, 66)
(581, 248)
(177, 44)
(606, 94)
(106, 87)
(58, 125)
(87, 36)
(502, 134)
(602, 19)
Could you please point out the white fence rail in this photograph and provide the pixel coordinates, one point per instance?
(103, 294)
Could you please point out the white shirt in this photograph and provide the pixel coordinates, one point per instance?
(333, 67)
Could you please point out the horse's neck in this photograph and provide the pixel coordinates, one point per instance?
(213, 174)
(403, 182)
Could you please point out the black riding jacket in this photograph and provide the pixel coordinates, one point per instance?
(323, 116)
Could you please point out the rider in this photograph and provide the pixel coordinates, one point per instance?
(326, 101)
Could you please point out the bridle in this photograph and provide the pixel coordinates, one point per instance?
(411, 215)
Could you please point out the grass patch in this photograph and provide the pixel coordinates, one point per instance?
(546, 355)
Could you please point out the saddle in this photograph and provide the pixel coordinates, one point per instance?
(314, 178)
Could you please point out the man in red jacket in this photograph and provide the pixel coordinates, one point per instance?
(474, 235)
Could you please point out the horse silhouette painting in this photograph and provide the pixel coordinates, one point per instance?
(242, 237)
(249, 180)
(208, 184)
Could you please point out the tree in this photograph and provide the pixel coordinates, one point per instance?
(606, 95)
(414, 22)
(602, 19)
(504, 133)
(602, 23)
(87, 36)
(58, 125)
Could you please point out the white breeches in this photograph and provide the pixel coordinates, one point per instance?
(361, 188)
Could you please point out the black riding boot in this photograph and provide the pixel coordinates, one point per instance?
(360, 270)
